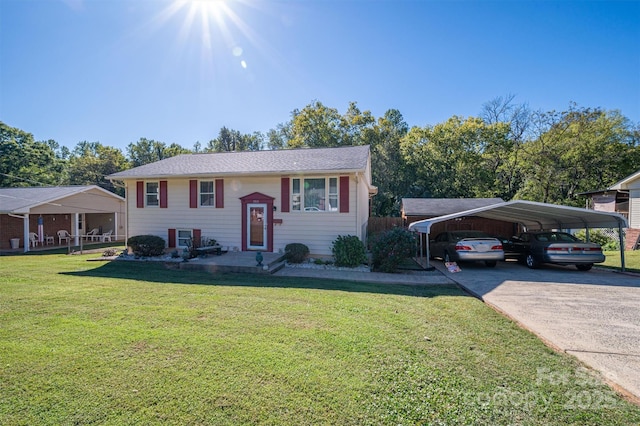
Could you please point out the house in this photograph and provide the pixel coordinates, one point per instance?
(78, 210)
(416, 209)
(252, 200)
(623, 197)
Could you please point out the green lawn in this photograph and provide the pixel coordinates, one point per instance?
(631, 260)
(134, 343)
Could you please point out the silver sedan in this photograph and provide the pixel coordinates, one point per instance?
(457, 246)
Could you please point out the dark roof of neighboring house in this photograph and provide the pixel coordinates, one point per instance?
(442, 206)
(22, 199)
(345, 159)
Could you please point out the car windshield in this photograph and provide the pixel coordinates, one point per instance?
(556, 236)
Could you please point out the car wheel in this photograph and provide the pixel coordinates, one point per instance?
(584, 267)
(490, 263)
(446, 257)
(531, 261)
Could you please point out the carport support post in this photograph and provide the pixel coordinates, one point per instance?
(622, 266)
(25, 232)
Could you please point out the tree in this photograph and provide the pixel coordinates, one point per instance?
(90, 162)
(577, 150)
(390, 172)
(450, 159)
(147, 151)
(315, 126)
(25, 162)
(232, 140)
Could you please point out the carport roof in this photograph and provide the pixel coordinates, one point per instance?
(534, 215)
(22, 200)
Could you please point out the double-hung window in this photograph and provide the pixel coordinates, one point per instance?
(314, 194)
(152, 194)
(184, 237)
(207, 196)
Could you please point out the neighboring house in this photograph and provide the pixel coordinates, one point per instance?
(624, 198)
(75, 209)
(415, 209)
(252, 200)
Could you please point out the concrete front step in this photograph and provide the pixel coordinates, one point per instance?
(240, 262)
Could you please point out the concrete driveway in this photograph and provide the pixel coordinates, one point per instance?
(594, 316)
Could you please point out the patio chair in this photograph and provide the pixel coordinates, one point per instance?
(91, 235)
(33, 239)
(63, 235)
(107, 236)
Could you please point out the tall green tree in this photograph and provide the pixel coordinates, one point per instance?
(229, 140)
(575, 151)
(147, 151)
(389, 170)
(451, 159)
(90, 162)
(315, 126)
(25, 162)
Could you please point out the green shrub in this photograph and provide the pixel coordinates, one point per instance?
(296, 252)
(599, 237)
(348, 251)
(146, 245)
(390, 248)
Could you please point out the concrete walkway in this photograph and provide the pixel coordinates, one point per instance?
(594, 316)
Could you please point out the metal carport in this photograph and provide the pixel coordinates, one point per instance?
(536, 216)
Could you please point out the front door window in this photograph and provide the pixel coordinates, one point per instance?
(257, 223)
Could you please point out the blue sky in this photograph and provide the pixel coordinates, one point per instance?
(114, 71)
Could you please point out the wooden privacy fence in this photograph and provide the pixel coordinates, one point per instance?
(381, 224)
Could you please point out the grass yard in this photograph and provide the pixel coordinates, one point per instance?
(631, 260)
(134, 343)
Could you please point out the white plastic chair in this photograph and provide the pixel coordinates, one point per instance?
(92, 234)
(107, 236)
(33, 239)
(63, 235)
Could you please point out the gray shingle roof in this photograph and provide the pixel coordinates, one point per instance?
(20, 200)
(254, 162)
(433, 207)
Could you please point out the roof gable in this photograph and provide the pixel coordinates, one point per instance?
(21, 200)
(344, 159)
(627, 182)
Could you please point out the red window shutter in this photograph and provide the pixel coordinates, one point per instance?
(285, 194)
(344, 194)
(193, 194)
(197, 237)
(139, 194)
(219, 193)
(172, 238)
(163, 194)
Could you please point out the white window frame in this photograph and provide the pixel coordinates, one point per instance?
(184, 238)
(212, 193)
(298, 198)
(147, 194)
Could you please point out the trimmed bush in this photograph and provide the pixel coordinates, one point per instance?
(296, 252)
(390, 248)
(146, 245)
(348, 251)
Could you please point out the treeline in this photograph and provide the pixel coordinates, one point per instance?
(508, 151)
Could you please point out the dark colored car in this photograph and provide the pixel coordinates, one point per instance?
(455, 246)
(560, 248)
